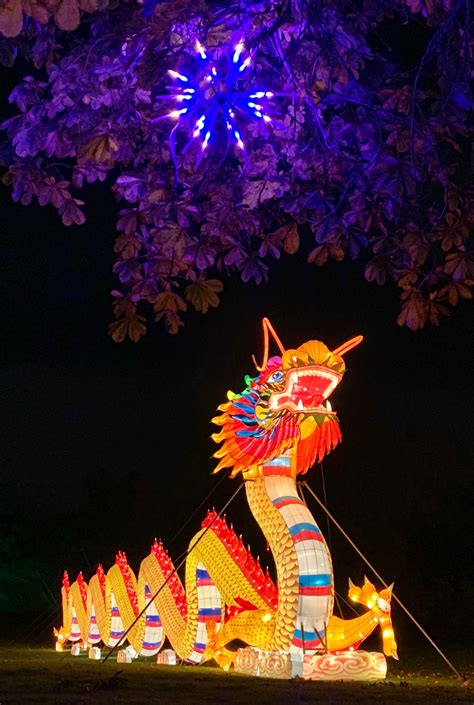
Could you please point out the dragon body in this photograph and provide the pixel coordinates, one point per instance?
(270, 434)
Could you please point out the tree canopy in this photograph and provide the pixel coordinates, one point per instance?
(344, 135)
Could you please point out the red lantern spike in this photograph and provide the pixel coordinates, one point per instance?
(66, 581)
(101, 576)
(128, 581)
(82, 588)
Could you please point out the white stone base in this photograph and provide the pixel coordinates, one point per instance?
(167, 657)
(123, 656)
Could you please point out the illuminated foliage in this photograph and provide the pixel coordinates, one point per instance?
(366, 156)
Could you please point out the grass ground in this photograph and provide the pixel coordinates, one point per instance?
(40, 676)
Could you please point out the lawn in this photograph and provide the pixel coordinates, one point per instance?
(39, 675)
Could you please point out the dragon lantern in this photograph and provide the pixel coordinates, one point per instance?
(272, 432)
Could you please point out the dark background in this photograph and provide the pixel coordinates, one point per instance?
(105, 446)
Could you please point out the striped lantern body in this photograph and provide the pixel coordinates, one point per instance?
(75, 634)
(116, 625)
(314, 583)
(209, 610)
(153, 636)
(94, 634)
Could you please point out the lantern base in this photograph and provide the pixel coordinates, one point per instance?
(345, 665)
(267, 664)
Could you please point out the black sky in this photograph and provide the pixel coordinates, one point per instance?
(105, 446)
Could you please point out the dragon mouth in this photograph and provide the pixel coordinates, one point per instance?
(307, 390)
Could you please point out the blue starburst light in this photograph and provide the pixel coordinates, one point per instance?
(212, 102)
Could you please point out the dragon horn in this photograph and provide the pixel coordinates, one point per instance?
(348, 345)
(267, 327)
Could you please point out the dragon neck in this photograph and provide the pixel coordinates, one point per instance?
(302, 559)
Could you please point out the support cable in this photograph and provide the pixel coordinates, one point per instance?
(337, 596)
(198, 509)
(38, 623)
(177, 567)
(397, 600)
(323, 483)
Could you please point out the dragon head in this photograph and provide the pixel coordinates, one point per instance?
(286, 406)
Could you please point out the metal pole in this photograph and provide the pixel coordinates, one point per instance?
(399, 602)
(302, 639)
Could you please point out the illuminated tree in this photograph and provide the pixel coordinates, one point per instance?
(335, 139)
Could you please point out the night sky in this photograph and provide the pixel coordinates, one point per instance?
(105, 446)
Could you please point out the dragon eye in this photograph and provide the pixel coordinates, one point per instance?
(276, 376)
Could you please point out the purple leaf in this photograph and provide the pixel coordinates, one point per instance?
(71, 213)
(132, 188)
(253, 269)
